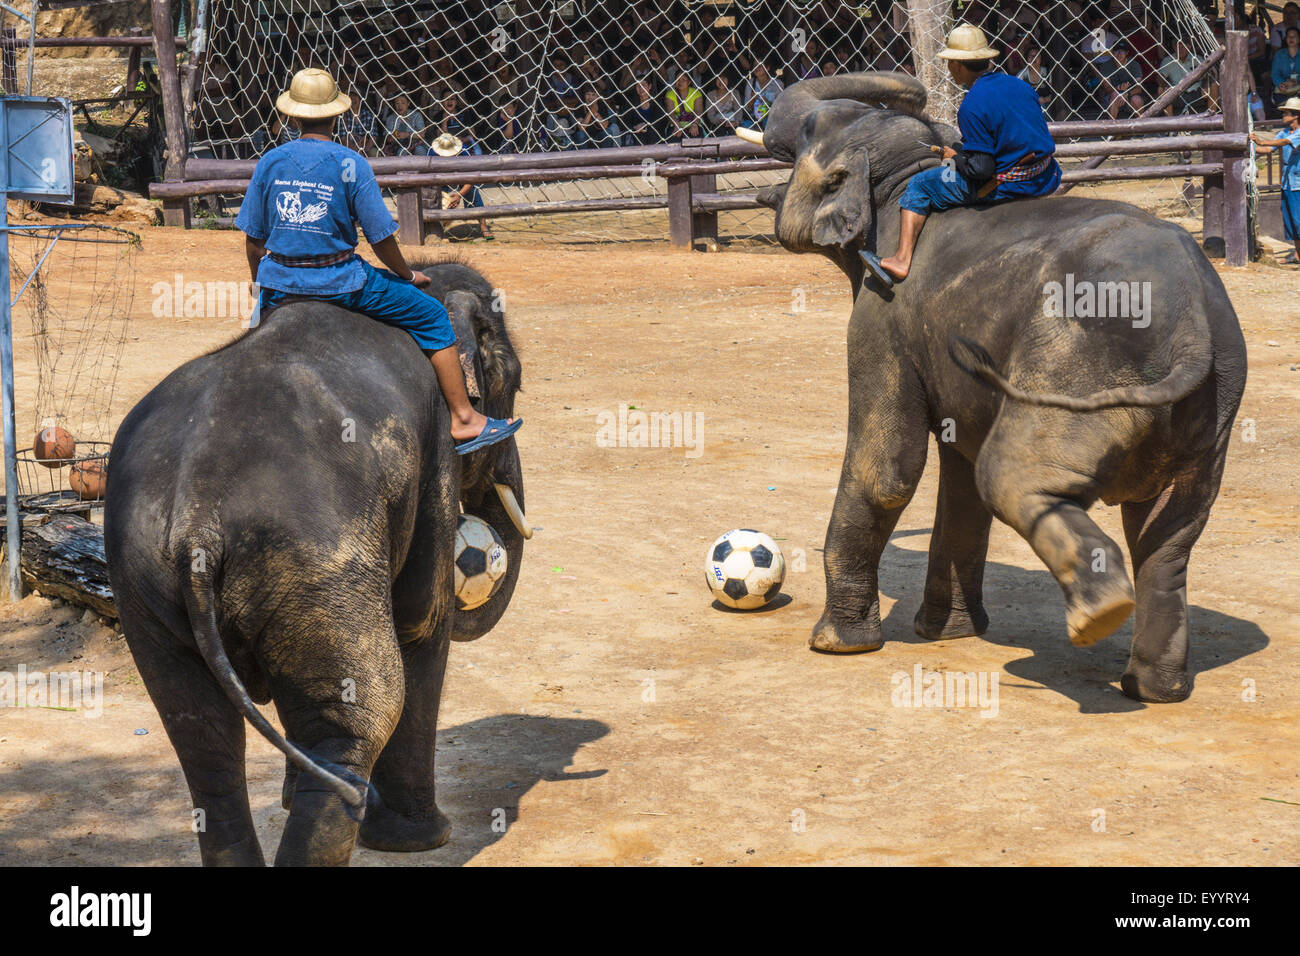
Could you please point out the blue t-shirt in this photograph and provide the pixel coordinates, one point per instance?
(304, 200)
(1290, 160)
(1001, 115)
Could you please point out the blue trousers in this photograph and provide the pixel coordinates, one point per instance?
(942, 187)
(390, 300)
(1291, 213)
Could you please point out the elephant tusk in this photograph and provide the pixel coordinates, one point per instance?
(511, 504)
(750, 135)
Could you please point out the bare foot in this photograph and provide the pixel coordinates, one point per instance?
(895, 266)
(471, 426)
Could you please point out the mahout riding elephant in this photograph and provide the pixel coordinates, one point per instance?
(280, 527)
(1062, 350)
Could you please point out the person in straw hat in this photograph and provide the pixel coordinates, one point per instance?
(1288, 140)
(299, 217)
(1005, 152)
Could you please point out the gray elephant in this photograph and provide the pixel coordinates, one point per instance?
(1042, 403)
(280, 527)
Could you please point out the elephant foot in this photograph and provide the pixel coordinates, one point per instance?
(1154, 685)
(387, 830)
(834, 637)
(954, 624)
(1091, 624)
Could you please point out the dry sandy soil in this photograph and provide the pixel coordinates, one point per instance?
(616, 717)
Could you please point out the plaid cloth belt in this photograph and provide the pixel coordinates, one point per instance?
(1027, 168)
(312, 262)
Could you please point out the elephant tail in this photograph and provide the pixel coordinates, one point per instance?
(1185, 378)
(204, 554)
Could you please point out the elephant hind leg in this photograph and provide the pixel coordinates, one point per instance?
(953, 605)
(208, 734)
(1047, 505)
(337, 684)
(1161, 533)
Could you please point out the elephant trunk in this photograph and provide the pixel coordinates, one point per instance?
(896, 91)
(505, 513)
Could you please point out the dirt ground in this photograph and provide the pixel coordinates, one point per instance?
(616, 717)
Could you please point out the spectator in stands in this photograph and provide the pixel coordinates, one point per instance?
(685, 105)
(805, 65)
(451, 118)
(1121, 82)
(405, 126)
(724, 111)
(1290, 18)
(467, 196)
(560, 82)
(282, 130)
(1172, 70)
(502, 85)
(761, 91)
(644, 118)
(1033, 72)
(1286, 68)
(596, 128)
(561, 120)
(1288, 140)
(510, 131)
(358, 129)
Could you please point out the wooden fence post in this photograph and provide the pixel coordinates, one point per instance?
(176, 212)
(1232, 97)
(410, 217)
(681, 215)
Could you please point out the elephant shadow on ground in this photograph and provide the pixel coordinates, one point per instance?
(1027, 611)
(485, 767)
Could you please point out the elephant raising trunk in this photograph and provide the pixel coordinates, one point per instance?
(895, 91)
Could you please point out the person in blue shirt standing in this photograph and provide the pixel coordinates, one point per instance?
(1288, 140)
(1006, 151)
(299, 217)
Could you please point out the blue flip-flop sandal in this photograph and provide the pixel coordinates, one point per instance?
(496, 429)
(873, 263)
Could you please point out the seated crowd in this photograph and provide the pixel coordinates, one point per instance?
(422, 80)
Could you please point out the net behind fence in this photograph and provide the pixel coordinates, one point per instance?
(543, 75)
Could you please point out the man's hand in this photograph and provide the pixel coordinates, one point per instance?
(420, 280)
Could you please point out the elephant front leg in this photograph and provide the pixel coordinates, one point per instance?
(954, 585)
(882, 466)
(406, 816)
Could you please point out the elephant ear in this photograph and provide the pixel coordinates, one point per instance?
(845, 212)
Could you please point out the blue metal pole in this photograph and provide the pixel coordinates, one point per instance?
(13, 520)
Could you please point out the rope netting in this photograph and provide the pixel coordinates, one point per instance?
(541, 75)
(75, 285)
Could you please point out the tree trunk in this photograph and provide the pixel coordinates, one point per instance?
(926, 24)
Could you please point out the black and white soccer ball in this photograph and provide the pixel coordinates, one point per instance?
(745, 569)
(481, 562)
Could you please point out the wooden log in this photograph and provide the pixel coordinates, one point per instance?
(440, 177)
(1151, 144)
(1201, 122)
(721, 202)
(176, 212)
(1171, 171)
(126, 41)
(1163, 100)
(615, 204)
(1233, 92)
(64, 558)
(199, 168)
